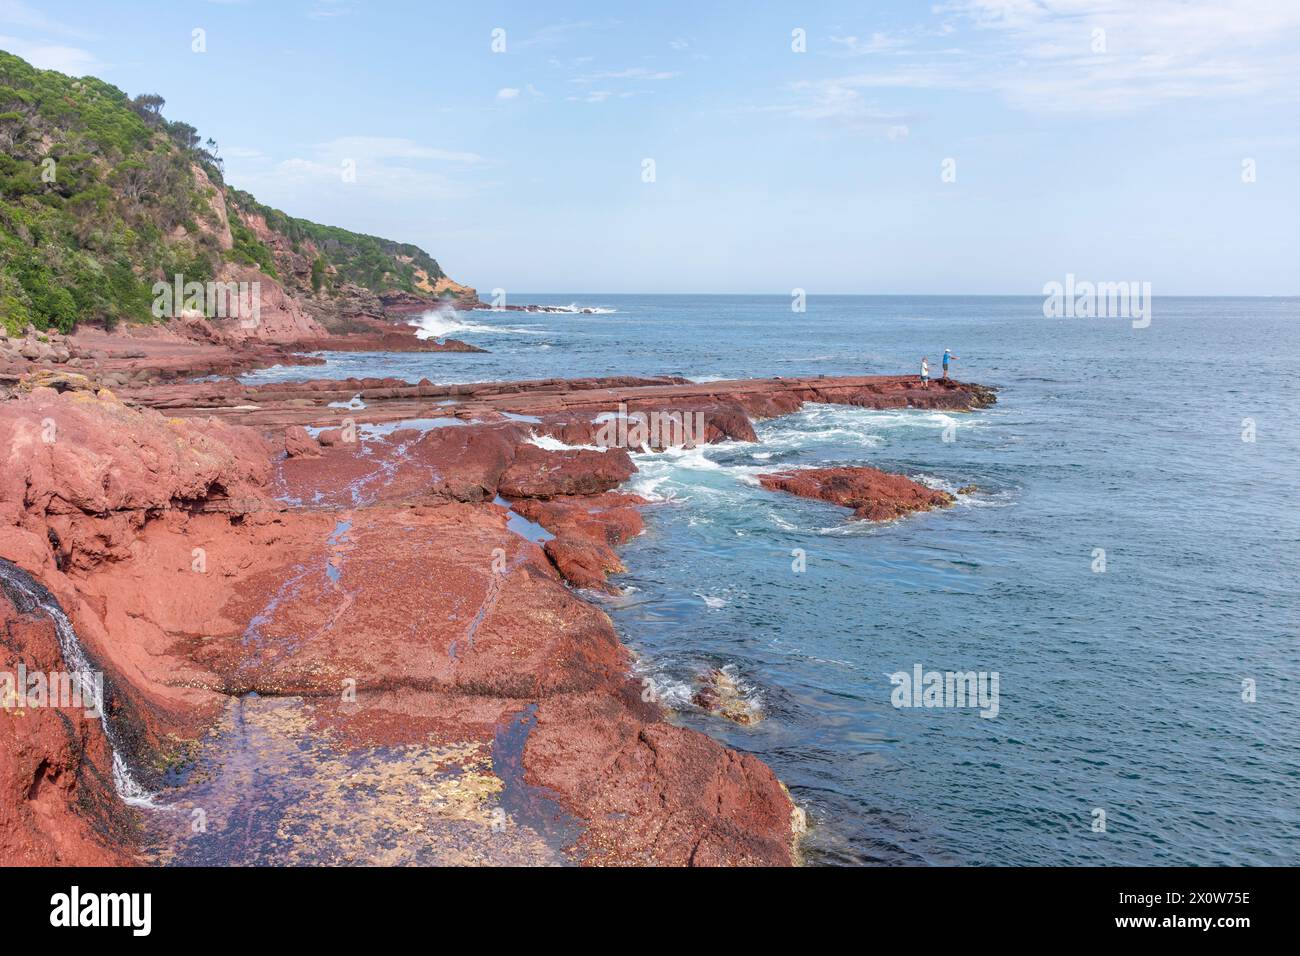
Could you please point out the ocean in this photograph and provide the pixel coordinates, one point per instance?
(1129, 566)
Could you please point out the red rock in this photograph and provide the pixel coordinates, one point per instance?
(184, 346)
(653, 794)
(93, 470)
(56, 787)
(538, 473)
(377, 335)
(468, 462)
(298, 443)
(583, 562)
(281, 317)
(587, 530)
(873, 495)
(611, 518)
(567, 409)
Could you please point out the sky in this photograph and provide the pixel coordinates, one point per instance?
(959, 146)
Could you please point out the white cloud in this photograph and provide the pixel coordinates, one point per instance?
(45, 53)
(839, 101)
(1072, 56)
(52, 56)
(1121, 55)
(325, 9)
(392, 147)
(876, 43)
(14, 13)
(552, 34)
(387, 170)
(632, 73)
(507, 93)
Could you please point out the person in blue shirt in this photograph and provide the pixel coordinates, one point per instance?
(947, 357)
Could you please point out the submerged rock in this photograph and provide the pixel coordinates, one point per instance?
(721, 693)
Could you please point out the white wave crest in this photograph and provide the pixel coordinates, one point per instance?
(440, 323)
(551, 443)
(574, 309)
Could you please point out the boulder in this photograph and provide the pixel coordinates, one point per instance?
(298, 443)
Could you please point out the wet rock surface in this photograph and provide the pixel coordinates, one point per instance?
(56, 787)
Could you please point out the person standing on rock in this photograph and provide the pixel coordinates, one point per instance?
(947, 357)
(925, 372)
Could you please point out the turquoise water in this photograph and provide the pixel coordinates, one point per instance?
(1119, 691)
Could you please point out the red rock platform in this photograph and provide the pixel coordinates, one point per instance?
(208, 548)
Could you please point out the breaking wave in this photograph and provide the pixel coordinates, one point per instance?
(440, 323)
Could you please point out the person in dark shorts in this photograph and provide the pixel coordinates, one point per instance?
(925, 372)
(947, 357)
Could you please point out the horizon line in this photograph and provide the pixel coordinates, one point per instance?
(931, 295)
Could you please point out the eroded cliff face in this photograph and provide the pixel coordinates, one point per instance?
(310, 293)
(344, 283)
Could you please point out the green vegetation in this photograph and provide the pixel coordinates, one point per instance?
(101, 196)
(250, 250)
(367, 261)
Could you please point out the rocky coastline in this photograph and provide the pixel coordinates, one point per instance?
(393, 575)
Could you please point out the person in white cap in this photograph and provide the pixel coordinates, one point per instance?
(948, 356)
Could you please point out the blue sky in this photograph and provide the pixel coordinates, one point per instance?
(1104, 139)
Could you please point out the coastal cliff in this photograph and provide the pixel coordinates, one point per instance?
(101, 197)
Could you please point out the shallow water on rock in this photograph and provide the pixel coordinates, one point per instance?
(271, 785)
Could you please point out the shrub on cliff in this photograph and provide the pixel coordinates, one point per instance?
(317, 273)
(250, 250)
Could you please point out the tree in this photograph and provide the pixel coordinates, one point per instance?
(148, 106)
(185, 135)
(132, 179)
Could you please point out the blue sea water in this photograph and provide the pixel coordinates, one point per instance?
(1119, 690)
